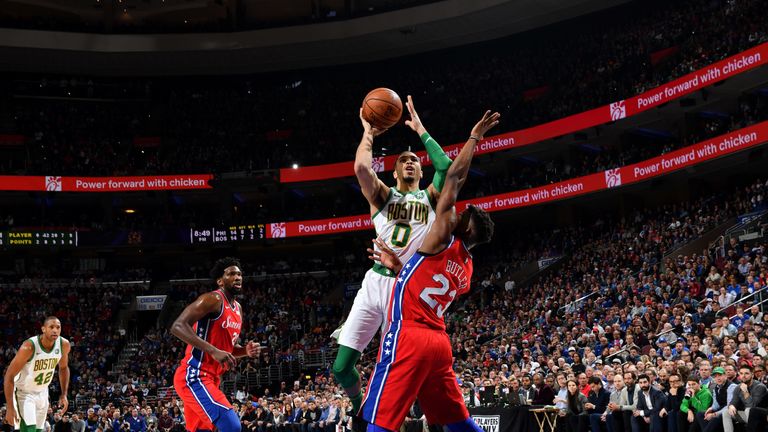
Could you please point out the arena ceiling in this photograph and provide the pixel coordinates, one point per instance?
(426, 27)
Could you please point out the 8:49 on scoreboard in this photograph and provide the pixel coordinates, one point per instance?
(235, 233)
(11, 239)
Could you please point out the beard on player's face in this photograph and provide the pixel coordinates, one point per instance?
(232, 280)
(52, 329)
(408, 168)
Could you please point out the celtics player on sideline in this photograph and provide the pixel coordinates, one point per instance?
(31, 372)
(401, 216)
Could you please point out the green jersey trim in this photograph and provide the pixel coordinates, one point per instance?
(34, 349)
(409, 192)
(42, 348)
(380, 269)
(389, 197)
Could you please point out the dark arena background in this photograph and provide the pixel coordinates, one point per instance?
(624, 288)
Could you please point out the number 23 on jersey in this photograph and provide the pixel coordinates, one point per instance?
(435, 297)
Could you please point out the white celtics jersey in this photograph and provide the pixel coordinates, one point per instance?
(37, 373)
(404, 220)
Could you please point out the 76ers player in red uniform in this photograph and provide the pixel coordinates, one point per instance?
(415, 359)
(211, 326)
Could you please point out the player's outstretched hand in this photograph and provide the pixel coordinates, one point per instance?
(386, 256)
(367, 128)
(486, 123)
(415, 122)
(63, 403)
(225, 359)
(252, 349)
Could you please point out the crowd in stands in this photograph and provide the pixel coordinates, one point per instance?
(235, 124)
(614, 307)
(88, 313)
(316, 203)
(618, 336)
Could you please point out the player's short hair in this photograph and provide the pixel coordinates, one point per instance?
(50, 318)
(595, 380)
(408, 152)
(222, 264)
(643, 376)
(484, 226)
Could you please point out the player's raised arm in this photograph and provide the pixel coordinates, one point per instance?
(374, 190)
(66, 346)
(439, 159)
(182, 328)
(22, 357)
(445, 213)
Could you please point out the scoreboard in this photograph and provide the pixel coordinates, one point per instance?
(235, 233)
(13, 239)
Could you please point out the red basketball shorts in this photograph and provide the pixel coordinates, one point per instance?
(203, 401)
(414, 362)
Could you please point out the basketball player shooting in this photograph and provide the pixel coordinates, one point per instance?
(211, 326)
(415, 358)
(401, 216)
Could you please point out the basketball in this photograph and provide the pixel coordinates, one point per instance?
(382, 108)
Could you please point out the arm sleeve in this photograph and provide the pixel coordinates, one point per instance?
(705, 401)
(684, 405)
(439, 159)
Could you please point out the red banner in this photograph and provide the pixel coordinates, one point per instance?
(104, 184)
(687, 84)
(692, 155)
(12, 140)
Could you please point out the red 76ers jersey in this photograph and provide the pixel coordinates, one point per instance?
(221, 330)
(428, 284)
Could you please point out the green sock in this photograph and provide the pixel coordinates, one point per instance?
(346, 374)
(439, 159)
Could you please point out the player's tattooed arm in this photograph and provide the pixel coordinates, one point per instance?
(374, 190)
(182, 328)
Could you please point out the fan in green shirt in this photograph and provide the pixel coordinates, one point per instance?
(697, 399)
